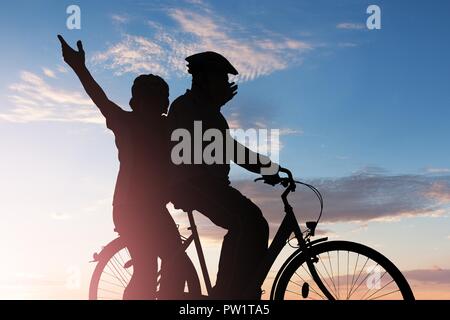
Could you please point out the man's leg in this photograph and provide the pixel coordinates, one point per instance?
(245, 243)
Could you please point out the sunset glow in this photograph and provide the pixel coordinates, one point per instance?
(362, 115)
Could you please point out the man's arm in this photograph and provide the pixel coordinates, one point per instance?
(253, 161)
(76, 60)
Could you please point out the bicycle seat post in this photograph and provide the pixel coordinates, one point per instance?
(199, 249)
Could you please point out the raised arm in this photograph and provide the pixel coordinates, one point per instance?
(76, 60)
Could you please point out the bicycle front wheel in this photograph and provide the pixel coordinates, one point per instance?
(347, 270)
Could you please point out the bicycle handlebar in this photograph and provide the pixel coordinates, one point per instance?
(290, 184)
(285, 182)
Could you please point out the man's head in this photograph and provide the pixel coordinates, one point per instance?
(210, 74)
(150, 95)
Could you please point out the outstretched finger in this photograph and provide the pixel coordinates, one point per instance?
(80, 46)
(62, 40)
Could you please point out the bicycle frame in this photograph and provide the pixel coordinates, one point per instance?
(288, 226)
(307, 253)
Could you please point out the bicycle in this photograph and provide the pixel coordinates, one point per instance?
(307, 274)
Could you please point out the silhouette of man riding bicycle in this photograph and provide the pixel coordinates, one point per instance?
(206, 187)
(142, 189)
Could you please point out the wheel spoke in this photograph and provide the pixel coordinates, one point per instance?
(359, 274)
(368, 290)
(310, 287)
(332, 275)
(293, 292)
(324, 279)
(348, 263)
(300, 277)
(383, 295)
(338, 272)
(353, 276)
(119, 268)
(110, 291)
(124, 262)
(126, 274)
(380, 289)
(368, 274)
(307, 271)
(116, 272)
(113, 284)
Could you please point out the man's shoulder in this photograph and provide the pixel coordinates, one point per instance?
(181, 103)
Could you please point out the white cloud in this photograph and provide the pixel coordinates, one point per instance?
(360, 198)
(61, 216)
(49, 73)
(437, 170)
(34, 99)
(165, 52)
(290, 131)
(62, 69)
(118, 18)
(350, 26)
(439, 191)
(347, 44)
(198, 2)
(134, 54)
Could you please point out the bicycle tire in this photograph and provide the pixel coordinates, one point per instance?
(298, 260)
(115, 246)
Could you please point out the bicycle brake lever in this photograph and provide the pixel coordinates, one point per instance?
(265, 181)
(285, 183)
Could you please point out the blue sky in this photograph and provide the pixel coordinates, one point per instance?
(366, 106)
(360, 97)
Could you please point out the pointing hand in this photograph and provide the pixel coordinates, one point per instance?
(75, 59)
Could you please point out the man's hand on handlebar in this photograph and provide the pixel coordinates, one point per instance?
(272, 179)
(276, 179)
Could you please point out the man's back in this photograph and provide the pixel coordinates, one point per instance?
(186, 112)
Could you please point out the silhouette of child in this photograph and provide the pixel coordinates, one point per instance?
(140, 195)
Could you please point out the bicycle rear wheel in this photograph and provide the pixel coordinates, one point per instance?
(348, 270)
(114, 270)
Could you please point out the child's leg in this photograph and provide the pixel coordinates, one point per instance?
(142, 285)
(173, 259)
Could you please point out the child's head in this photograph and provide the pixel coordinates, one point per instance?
(150, 95)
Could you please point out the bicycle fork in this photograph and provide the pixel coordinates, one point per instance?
(302, 244)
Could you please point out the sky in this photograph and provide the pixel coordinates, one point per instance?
(363, 115)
